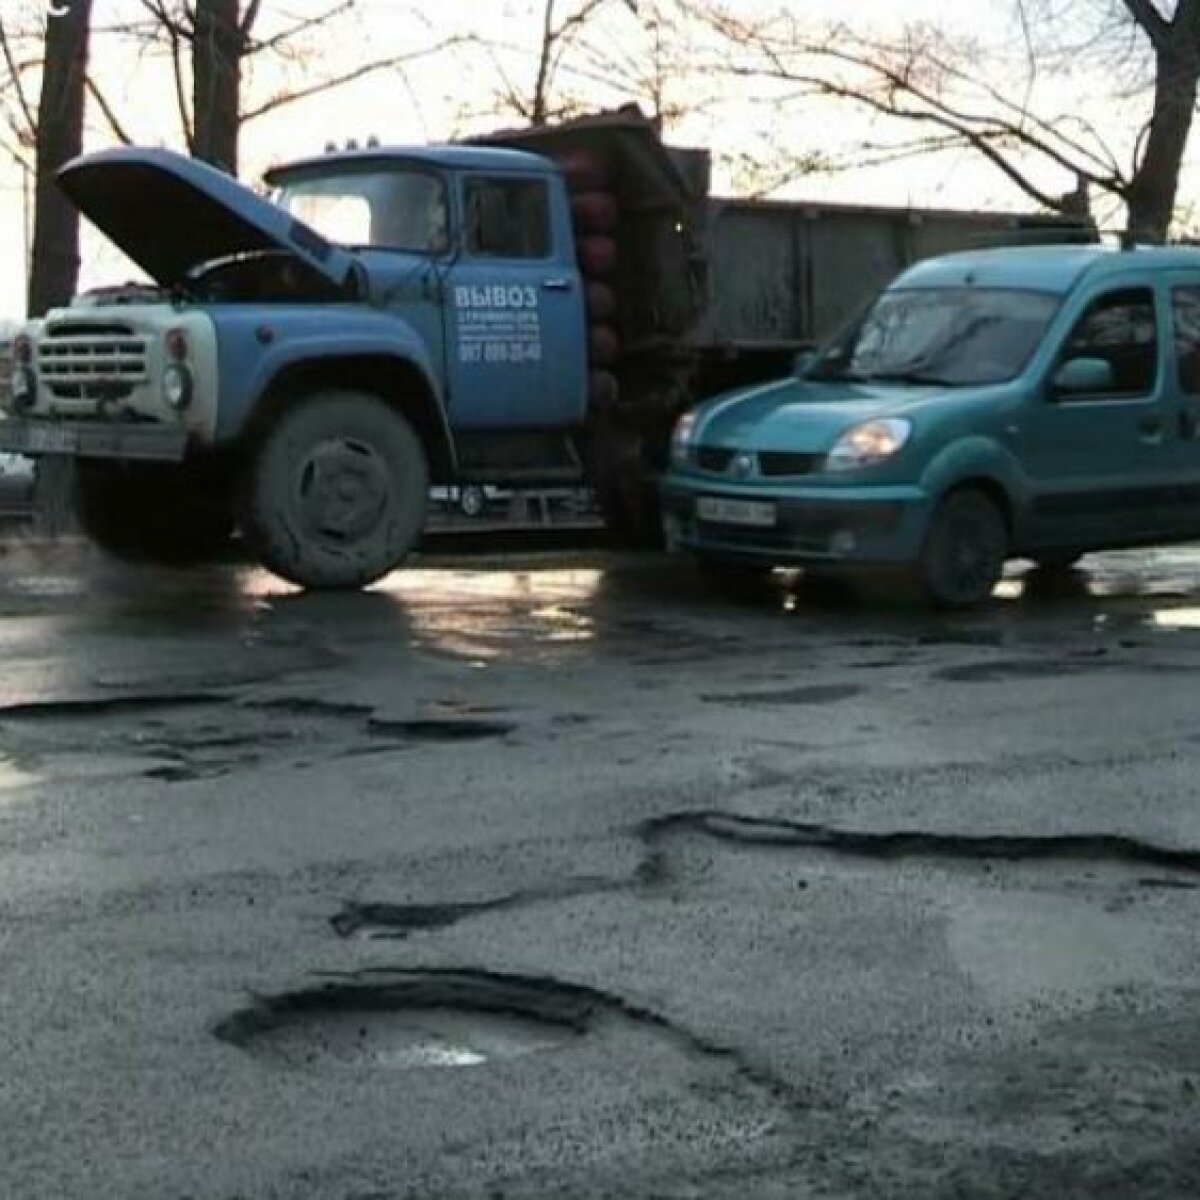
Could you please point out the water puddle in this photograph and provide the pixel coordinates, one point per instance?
(407, 1041)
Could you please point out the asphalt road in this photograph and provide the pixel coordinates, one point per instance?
(566, 877)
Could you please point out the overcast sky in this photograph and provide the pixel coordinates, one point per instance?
(435, 99)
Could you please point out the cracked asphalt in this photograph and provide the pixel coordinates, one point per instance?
(558, 874)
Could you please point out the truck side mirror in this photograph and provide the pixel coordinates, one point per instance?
(1079, 376)
(803, 360)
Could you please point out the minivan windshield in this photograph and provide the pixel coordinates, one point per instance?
(949, 337)
(393, 208)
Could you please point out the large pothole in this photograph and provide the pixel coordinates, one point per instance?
(406, 1039)
(416, 1019)
(423, 1019)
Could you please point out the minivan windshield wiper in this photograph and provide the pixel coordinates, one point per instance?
(912, 377)
(829, 376)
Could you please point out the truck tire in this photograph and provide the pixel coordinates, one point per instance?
(337, 491)
(594, 212)
(585, 171)
(597, 256)
(604, 346)
(964, 550)
(601, 301)
(629, 502)
(603, 391)
(154, 514)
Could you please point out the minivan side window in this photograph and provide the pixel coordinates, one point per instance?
(508, 218)
(1121, 329)
(1185, 315)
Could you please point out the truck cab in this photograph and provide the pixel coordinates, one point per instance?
(311, 362)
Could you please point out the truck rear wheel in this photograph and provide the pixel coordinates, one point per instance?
(173, 515)
(337, 492)
(627, 498)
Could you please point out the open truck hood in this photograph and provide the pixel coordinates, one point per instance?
(170, 213)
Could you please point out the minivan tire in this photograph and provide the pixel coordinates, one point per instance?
(337, 491)
(964, 551)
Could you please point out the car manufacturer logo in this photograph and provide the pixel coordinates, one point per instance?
(743, 465)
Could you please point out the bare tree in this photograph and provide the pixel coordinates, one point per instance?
(566, 47)
(211, 46)
(943, 86)
(58, 131)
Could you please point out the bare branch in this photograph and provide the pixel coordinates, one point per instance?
(276, 40)
(249, 17)
(331, 83)
(110, 116)
(1151, 21)
(14, 74)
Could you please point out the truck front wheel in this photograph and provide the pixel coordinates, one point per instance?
(337, 491)
(174, 515)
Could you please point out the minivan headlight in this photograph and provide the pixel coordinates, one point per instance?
(868, 444)
(681, 437)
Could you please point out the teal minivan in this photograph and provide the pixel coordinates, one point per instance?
(1034, 402)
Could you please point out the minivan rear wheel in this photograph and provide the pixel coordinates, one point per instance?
(964, 551)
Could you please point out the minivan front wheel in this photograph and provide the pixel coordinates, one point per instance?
(964, 551)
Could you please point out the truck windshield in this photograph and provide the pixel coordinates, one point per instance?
(392, 208)
(950, 337)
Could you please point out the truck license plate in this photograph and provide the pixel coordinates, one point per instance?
(47, 439)
(759, 513)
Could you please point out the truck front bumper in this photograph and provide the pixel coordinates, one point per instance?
(93, 439)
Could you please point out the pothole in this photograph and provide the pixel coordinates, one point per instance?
(398, 921)
(371, 1039)
(415, 1019)
(176, 737)
(826, 694)
(441, 729)
(404, 1020)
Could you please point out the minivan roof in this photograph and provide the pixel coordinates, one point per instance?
(1042, 268)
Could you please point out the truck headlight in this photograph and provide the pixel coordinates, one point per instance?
(177, 386)
(681, 438)
(868, 444)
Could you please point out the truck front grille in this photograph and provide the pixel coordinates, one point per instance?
(100, 362)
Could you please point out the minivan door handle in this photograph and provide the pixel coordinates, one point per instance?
(557, 284)
(1150, 429)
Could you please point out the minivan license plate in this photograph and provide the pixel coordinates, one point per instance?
(759, 513)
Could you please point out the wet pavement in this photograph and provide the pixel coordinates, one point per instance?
(560, 874)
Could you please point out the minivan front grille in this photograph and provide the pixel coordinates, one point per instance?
(779, 462)
(713, 458)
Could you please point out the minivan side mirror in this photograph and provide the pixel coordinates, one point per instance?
(1079, 376)
(803, 360)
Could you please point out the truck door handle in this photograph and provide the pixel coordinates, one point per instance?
(558, 284)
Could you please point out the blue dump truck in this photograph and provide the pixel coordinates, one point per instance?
(533, 309)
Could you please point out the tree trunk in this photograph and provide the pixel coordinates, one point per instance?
(55, 266)
(217, 79)
(1156, 179)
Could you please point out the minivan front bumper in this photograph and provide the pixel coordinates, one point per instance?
(863, 526)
